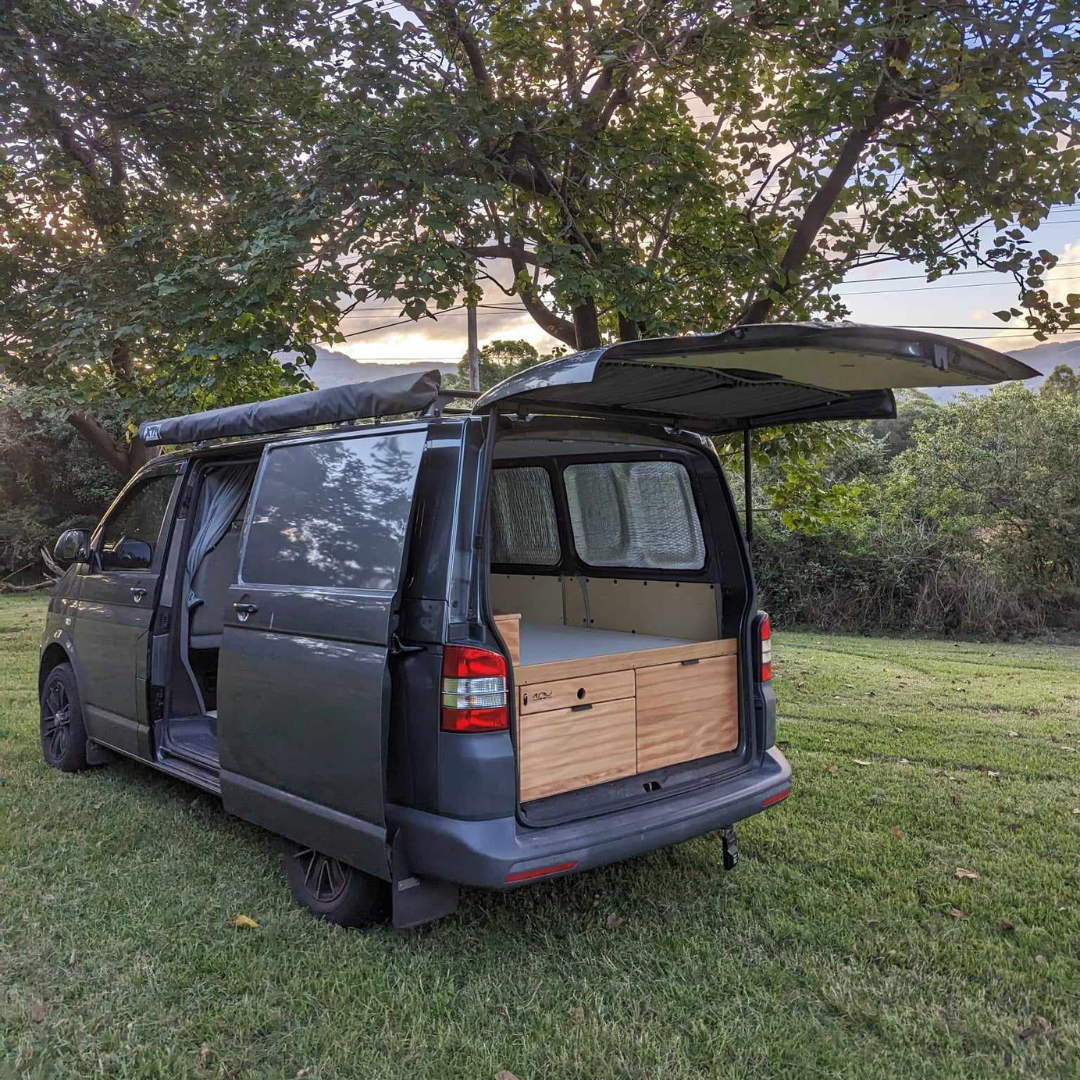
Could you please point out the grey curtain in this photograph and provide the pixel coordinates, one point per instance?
(223, 493)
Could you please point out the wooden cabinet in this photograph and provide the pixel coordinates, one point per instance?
(589, 720)
(685, 711)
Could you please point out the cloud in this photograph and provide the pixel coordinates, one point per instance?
(1063, 279)
(444, 337)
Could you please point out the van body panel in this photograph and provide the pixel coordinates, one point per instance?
(754, 376)
(309, 822)
(113, 616)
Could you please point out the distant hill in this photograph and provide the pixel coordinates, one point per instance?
(1042, 358)
(337, 369)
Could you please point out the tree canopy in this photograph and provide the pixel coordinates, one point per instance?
(651, 168)
(150, 253)
(190, 186)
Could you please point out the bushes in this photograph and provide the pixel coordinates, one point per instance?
(891, 580)
(48, 482)
(974, 529)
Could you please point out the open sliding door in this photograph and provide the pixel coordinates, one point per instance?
(303, 682)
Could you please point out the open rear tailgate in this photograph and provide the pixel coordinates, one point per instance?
(759, 375)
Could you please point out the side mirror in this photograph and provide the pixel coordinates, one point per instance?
(73, 546)
(132, 554)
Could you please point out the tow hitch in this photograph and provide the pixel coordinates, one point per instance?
(731, 847)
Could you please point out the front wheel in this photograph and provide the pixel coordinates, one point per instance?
(63, 736)
(333, 890)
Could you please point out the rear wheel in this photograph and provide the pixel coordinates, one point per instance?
(63, 736)
(333, 890)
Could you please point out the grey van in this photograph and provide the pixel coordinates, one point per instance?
(477, 647)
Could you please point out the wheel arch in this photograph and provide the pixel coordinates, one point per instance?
(54, 655)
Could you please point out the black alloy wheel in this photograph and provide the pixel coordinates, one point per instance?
(325, 877)
(335, 891)
(63, 736)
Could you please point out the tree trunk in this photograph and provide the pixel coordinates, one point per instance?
(628, 329)
(126, 460)
(587, 325)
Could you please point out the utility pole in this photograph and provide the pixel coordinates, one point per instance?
(474, 352)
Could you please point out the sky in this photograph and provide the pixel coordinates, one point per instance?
(874, 295)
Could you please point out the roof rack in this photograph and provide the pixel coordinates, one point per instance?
(448, 394)
(356, 401)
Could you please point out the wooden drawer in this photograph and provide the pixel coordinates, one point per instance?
(686, 711)
(564, 693)
(566, 749)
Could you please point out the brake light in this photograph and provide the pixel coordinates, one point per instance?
(474, 690)
(764, 648)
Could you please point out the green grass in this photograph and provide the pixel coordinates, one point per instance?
(830, 952)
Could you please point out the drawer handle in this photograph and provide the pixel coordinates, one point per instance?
(580, 708)
(687, 663)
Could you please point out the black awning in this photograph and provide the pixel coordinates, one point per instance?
(355, 401)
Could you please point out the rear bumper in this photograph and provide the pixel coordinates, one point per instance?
(482, 854)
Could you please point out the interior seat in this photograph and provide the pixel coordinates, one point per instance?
(211, 585)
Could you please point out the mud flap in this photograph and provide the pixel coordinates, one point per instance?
(416, 900)
(96, 754)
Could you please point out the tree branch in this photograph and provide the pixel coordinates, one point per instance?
(100, 441)
(545, 318)
(817, 210)
(460, 33)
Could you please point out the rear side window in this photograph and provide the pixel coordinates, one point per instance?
(637, 514)
(333, 514)
(524, 530)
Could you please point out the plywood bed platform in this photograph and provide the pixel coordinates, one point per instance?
(599, 705)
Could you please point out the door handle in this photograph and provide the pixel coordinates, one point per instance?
(137, 593)
(243, 610)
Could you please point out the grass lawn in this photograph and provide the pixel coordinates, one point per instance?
(844, 945)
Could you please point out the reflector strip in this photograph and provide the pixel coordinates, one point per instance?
(539, 871)
(778, 797)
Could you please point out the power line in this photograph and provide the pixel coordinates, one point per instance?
(932, 326)
(939, 288)
(952, 274)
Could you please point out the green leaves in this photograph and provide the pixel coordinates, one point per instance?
(190, 188)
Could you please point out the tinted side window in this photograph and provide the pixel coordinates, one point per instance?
(334, 513)
(136, 521)
(524, 529)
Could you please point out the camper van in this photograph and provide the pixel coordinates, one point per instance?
(483, 647)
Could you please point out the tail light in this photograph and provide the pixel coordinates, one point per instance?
(764, 648)
(473, 690)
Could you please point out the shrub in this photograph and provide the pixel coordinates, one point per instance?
(974, 529)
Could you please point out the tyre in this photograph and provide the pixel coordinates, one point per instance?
(63, 735)
(333, 890)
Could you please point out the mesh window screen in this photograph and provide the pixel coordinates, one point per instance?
(523, 526)
(635, 513)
